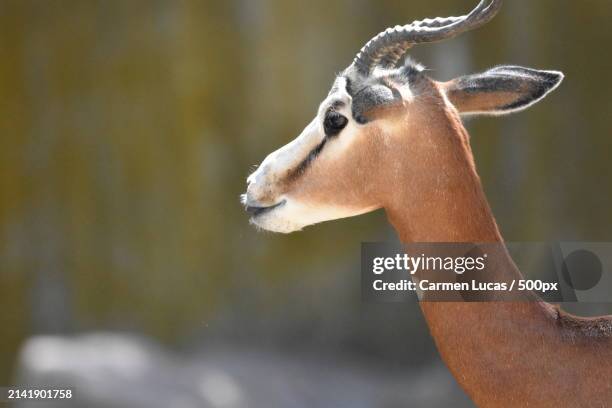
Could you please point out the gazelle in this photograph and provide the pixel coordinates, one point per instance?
(388, 136)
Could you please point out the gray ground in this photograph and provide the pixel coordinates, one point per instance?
(114, 370)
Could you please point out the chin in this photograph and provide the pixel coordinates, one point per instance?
(272, 223)
(283, 219)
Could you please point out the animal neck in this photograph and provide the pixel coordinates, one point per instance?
(439, 199)
(437, 195)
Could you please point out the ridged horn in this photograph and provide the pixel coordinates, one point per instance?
(388, 47)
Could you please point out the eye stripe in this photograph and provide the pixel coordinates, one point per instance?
(301, 168)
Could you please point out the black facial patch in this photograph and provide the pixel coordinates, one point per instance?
(369, 93)
(371, 97)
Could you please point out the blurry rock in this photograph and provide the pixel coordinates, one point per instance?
(111, 370)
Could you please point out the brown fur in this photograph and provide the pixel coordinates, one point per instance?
(483, 103)
(417, 163)
(502, 354)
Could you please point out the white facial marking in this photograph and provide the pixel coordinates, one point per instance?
(292, 214)
(406, 92)
(275, 166)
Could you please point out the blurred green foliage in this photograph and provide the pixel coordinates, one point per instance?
(128, 128)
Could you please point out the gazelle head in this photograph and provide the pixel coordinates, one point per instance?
(349, 159)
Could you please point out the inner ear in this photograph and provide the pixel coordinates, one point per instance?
(501, 90)
(372, 99)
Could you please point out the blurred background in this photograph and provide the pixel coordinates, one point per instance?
(127, 265)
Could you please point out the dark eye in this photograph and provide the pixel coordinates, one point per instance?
(334, 123)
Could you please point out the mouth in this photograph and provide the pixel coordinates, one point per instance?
(258, 211)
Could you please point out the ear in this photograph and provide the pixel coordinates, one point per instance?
(501, 90)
